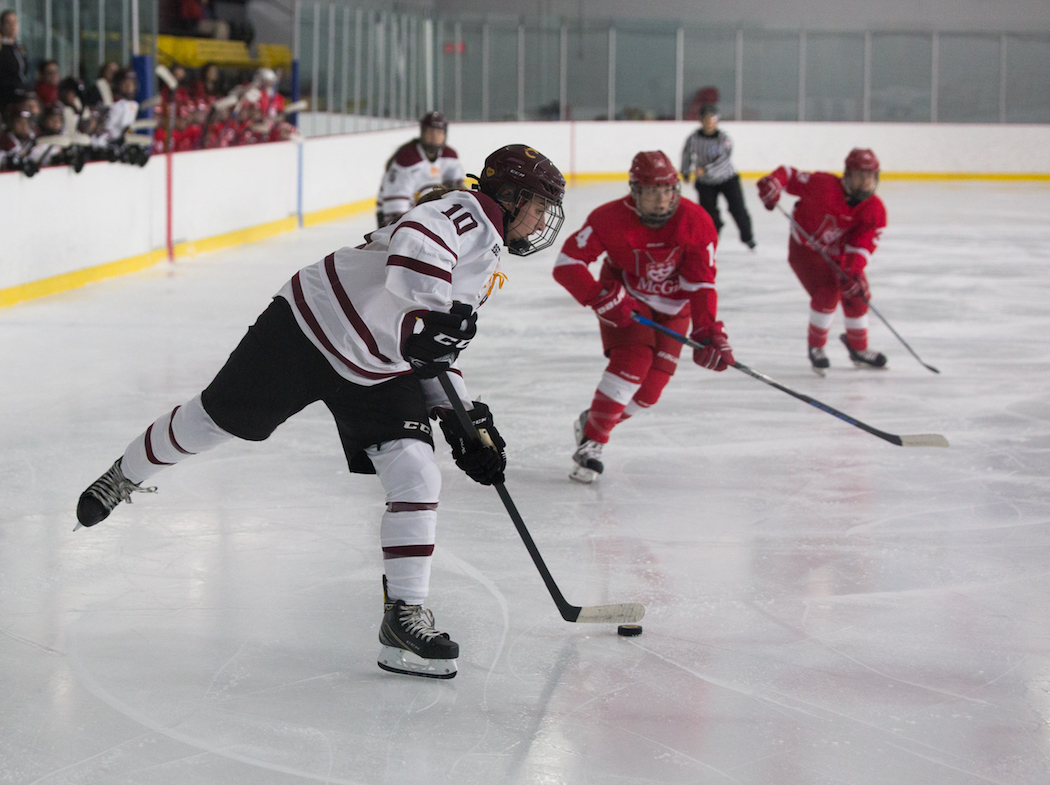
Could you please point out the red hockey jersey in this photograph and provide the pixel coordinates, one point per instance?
(664, 268)
(847, 234)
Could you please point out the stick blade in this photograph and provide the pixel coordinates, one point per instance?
(924, 440)
(625, 613)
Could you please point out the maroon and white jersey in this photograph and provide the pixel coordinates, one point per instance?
(665, 268)
(847, 234)
(357, 305)
(411, 174)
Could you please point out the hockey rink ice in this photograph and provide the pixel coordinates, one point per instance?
(823, 607)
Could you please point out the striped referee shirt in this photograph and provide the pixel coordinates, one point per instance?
(710, 152)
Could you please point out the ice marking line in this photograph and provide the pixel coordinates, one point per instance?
(93, 687)
(98, 754)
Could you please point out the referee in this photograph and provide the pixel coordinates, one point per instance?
(706, 154)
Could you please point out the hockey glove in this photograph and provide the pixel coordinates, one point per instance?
(716, 353)
(855, 285)
(769, 189)
(614, 306)
(444, 336)
(483, 462)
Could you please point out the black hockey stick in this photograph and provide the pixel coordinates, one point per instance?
(838, 271)
(912, 440)
(625, 613)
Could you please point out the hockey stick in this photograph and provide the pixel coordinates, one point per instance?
(625, 613)
(838, 271)
(909, 440)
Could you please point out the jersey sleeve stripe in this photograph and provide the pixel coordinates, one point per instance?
(415, 265)
(564, 259)
(351, 313)
(423, 230)
(315, 328)
(690, 286)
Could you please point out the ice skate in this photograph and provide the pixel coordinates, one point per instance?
(818, 359)
(579, 425)
(588, 462)
(866, 358)
(105, 493)
(411, 645)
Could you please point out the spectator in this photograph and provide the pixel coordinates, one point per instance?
(706, 155)
(47, 78)
(14, 75)
(197, 17)
(102, 91)
(208, 84)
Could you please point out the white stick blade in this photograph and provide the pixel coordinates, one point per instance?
(626, 613)
(924, 440)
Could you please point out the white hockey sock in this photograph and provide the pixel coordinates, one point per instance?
(618, 388)
(634, 408)
(185, 430)
(412, 482)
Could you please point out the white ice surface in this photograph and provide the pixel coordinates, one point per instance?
(823, 607)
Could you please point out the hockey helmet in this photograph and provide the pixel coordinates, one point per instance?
(433, 120)
(860, 160)
(516, 175)
(654, 170)
(265, 78)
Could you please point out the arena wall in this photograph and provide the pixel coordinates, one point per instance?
(62, 230)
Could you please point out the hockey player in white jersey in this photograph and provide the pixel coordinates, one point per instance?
(417, 167)
(366, 330)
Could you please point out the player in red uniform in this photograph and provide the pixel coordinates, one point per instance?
(846, 219)
(659, 258)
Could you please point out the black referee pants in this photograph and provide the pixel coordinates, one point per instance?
(708, 196)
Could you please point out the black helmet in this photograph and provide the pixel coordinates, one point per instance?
(517, 174)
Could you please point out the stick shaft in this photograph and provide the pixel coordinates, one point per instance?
(890, 437)
(838, 271)
(568, 612)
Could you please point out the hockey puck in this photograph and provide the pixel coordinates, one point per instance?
(629, 630)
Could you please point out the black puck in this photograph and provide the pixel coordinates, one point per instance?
(629, 630)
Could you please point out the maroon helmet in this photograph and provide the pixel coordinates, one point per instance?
(515, 175)
(654, 170)
(860, 160)
(433, 120)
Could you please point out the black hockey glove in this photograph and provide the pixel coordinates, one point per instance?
(483, 463)
(444, 336)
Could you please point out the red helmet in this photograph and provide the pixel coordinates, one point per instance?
(654, 170)
(517, 174)
(862, 160)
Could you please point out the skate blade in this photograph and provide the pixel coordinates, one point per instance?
(584, 475)
(821, 372)
(401, 661)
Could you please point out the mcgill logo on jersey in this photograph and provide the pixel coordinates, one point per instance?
(656, 266)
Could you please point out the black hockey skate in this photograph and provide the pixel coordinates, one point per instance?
(105, 493)
(818, 359)
(411, 645)
(866, 358)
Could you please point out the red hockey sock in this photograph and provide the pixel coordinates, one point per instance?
(857, 338)
(605, 413)
(817, 336)
(651, 388)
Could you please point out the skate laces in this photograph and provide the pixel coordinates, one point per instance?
(419, 621)
(113, 487)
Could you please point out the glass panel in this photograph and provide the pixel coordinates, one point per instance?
(503, 72)
(306, 51)
(588, 73)
(645, 73)
(1027, 79)
(901, 75)
(542, 72)
(471, 98)
(709, 61)
(770, 76)
(834, 77)
(968, 79)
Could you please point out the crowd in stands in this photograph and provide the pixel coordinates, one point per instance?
(56, 121)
